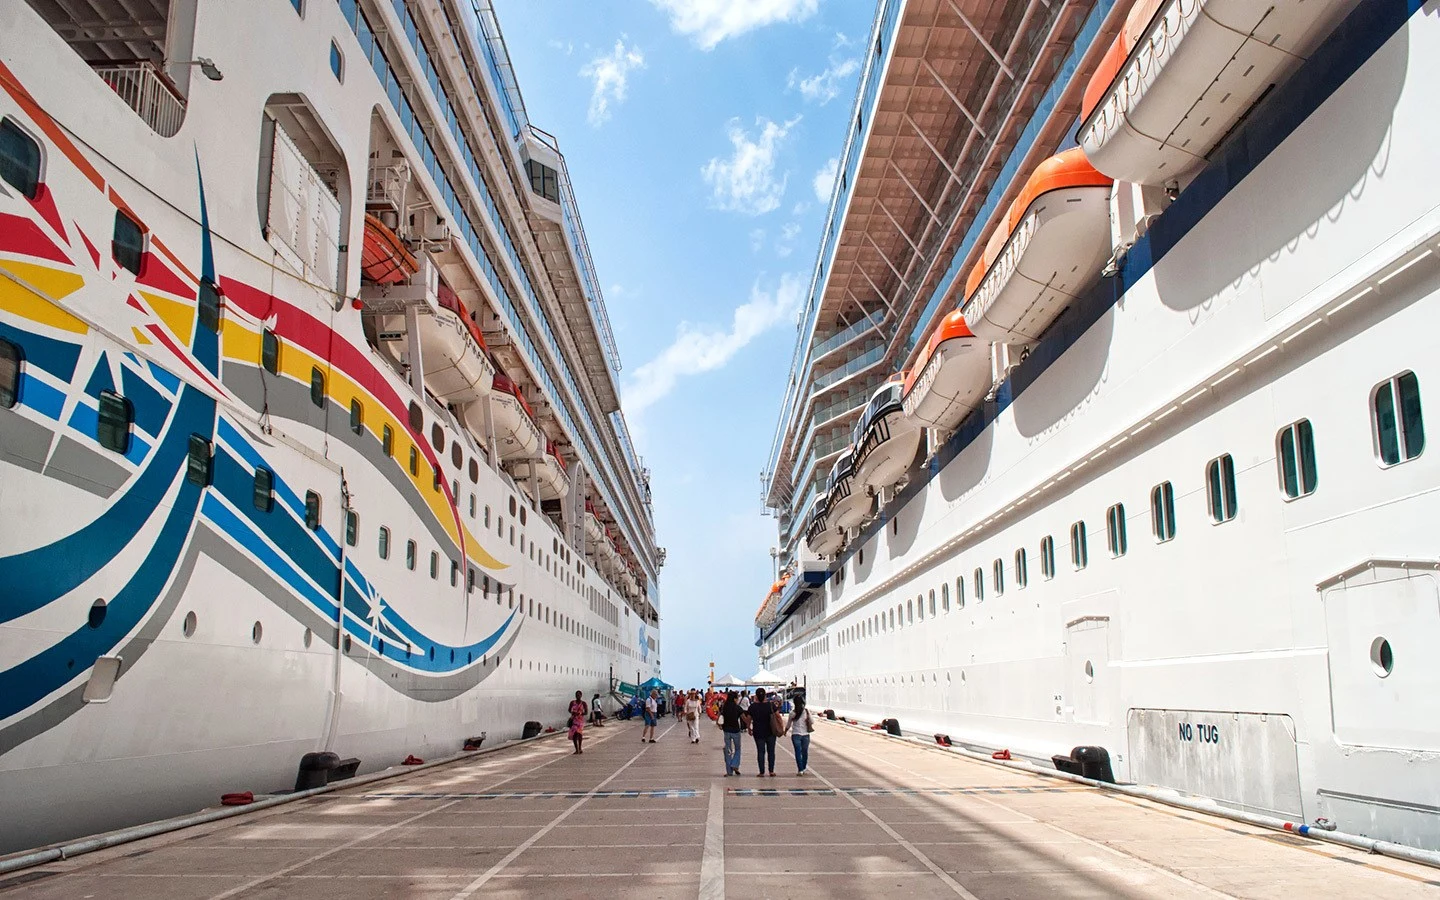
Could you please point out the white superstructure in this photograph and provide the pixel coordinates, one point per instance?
(1193, 523)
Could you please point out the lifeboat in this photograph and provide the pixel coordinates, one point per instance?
(384, 258)
(885, 438)
(951, 376)
(1183, 72)
(1051, 245)
(770, 608)
(516, 434)
(457, 369)
(821, 537)
(848, 505)
(594, 531)
(550, 472)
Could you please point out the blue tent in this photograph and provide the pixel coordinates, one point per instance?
(656, 684)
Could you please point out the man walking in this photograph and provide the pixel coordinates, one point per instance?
(762, 713)
(597, 715)
(651, 711)
(732, 723)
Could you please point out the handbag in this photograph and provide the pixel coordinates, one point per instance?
(777, 723)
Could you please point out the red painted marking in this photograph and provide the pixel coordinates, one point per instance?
(44, 204)
(178, 263)
(94, 254)
(132, 302)
(155, 274)
(23, 237)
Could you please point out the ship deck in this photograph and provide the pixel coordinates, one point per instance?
(875, 817)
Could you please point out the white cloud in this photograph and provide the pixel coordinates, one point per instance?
(825, 86)
(786, 245)
(709, 22)
(746, 182)
(565, 47)
(757, 239)
(824, 182)
(610, 74)
(696, 350)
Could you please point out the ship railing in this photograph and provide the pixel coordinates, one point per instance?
(147, 90)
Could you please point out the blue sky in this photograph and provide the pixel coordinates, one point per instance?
(698, 135)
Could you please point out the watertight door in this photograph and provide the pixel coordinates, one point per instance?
(1087, 669)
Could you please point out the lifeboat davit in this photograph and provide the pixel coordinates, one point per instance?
(550, 472)
(885, 438)
(849, 503)
(821, 537)
(457, 369)
(1050, 246)
(384, 258)
(951, 377)
(516, 434)
(1182, 73)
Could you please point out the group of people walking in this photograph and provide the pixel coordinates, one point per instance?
(763, 718)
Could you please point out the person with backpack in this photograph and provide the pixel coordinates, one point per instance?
(766, 724)
(732, 721)
(802, 725)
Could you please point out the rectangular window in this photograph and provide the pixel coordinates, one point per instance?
(317, 387)
(1115, 530)
(414, 462)
(352, 528)
(1047, 557)
(264, 491)
(208, 305)
(19, 159)
(1162, 511)
(1220, 486)
(112, 425)
(454, 573)
(127, 245)
(197, 462)
(312, 510)
(357, 415)
(410, 553)
(384, 542)
(434, 564)
(1399, 424)
(387, 440)
(270, 351)
(1079, 549)
(470, 582)
(1295, 456)
(10, 359)
(979, 577)
(1022, 571)
(997, 571)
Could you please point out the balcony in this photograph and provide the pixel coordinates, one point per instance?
(858, 364)
(147, 90)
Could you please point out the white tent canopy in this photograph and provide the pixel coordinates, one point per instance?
(728, 680)
(765, 677)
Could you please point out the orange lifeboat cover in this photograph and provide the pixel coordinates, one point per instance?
(1063, 170)
(503, 383)
(384, 258)
(1114, 60)
(950, 328)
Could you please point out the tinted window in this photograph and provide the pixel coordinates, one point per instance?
(127, 246)
(19, 159)
(112, 427)
(197, 463)
(209, 306)
(270, 351)
(264, 492)
(1220, 486)
(387, 440)
(312, 510)
(317, 386)
(1296, 458)
(352, 527)
(417, 418)
(10, 359)
(357, 415)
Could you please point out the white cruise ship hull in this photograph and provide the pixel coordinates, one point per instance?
(244, 638)
(1237, 660)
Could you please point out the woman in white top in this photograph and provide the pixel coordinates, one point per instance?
(802, 725)
(692, 716)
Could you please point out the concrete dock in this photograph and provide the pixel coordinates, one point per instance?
(874, 818)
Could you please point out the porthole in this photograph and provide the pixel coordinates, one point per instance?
(1382, 657)
(437, 438)
(256, 632)
(188, 627)
(97, 613)
(1089, 671)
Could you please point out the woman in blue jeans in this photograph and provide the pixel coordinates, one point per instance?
(762, 712)
(732, 721)
(802, 725)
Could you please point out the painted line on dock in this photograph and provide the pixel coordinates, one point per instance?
(470, 889)
(712, 862)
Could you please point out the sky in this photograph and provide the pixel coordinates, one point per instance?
(701, 137)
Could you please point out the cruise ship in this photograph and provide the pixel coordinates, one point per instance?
(1106, 422)
(310, 430)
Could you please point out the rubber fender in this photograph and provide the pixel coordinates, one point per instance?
(1094, 763)
(315, 769)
